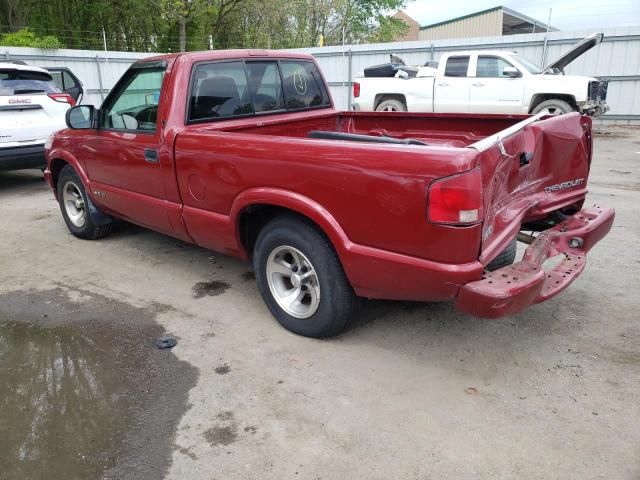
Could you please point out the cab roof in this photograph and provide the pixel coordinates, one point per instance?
(480, 52)
(229, 54)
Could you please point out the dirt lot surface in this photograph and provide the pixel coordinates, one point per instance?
(412, 391)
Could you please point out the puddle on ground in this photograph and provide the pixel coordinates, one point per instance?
(84, 393)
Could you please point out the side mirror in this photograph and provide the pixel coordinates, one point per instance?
(511, 72)
(82, 116)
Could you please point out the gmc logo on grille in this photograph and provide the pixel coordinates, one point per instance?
(19, 101)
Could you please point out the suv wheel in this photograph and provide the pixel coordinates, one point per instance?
(301, 279)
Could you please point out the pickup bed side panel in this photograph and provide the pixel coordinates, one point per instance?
(377, 194)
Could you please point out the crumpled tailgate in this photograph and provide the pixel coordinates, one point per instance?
(527, 173)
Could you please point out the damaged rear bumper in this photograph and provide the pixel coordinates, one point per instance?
(511, 289)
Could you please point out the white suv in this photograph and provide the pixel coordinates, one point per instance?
(32, 107)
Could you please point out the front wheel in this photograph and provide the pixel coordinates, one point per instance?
(301, 279)
(75, 206)
(553, 107)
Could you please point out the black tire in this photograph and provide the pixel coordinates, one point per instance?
(336, 298)
(391, 105)
(506, 257)
(555, 107)
(89, 230)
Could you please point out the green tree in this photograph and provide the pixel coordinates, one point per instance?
(178, 25)
(26, 38)
(389, 29)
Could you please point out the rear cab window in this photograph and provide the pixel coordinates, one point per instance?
(227, 89)
(219, 90)
(303, 85)
(265, 85)
(457, 66)
(25, 82)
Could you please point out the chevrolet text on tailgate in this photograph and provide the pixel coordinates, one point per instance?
(242, 152)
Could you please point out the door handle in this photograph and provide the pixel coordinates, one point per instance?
(478, 84)
(150, 155)
(443, 84)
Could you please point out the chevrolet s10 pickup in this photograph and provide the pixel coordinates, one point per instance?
(242, 152)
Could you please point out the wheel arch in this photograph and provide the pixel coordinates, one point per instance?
(58, 159)
(253, 209)
(381, 97)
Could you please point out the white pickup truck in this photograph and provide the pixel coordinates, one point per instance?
(486, 81)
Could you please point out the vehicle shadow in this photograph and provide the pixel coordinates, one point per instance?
(416, 328)
(437, 333)
(30, 180)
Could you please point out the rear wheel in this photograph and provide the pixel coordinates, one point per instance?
(301, 279)
(75, 206)
(553, 107)
(391, 105)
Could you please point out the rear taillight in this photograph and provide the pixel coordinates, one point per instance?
(457, 199)
(62, 98)
(356, 89)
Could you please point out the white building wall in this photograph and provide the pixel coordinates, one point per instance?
(485, 24)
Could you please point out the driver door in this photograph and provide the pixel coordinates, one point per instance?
(124, 167)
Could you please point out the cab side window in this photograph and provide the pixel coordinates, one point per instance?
(134, 105)
(491, 67)
(457, 66)
(219, 90)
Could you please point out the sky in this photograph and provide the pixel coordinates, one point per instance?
(566, 14)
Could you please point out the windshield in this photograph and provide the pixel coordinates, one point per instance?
(528, 64)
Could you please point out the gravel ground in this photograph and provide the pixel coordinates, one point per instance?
(412, 391)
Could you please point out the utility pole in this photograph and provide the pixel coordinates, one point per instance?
(104, 42)
(546, 39)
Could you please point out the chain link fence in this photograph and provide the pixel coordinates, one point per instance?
(617, 59)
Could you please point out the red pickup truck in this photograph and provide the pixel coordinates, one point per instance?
(242, 152)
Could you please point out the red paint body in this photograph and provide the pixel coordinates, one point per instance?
(369, 199)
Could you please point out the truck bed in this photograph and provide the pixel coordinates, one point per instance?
(518, 156)
(447, 130)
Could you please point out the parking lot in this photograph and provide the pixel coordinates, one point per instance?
(410, 391)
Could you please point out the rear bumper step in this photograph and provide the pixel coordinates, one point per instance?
(511, 289)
